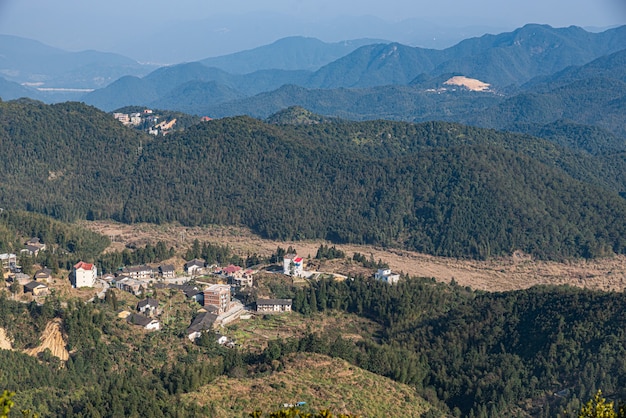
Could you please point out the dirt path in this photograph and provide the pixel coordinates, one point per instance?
(509, 273)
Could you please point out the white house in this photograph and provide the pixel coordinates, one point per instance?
(273, 305)
(147, 323)
(195, 266)
(387, 276)
(293, 265)
(85, 274)
(9, 261)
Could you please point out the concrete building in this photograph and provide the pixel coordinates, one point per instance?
(85, 274)
(218, 296)
(293, 265)
(386, 275)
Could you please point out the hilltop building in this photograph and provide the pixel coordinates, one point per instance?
(85, 274)
(386, 275)
(293, 265)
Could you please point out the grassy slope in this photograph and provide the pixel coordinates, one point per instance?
(320, 381)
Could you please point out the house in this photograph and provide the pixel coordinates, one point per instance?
(122, 117)
(35, 244)
(195, 266)
(273, 305)
(386, 275)
(217, 295)
(9, 261)
(31, 250)
(189, 290)
(85, 274)
(148, 306)
(202, 322)
(246, 279)
(43, 275)
(108, 277)
(138, 272)
(293, 265)
(134, 286)
(167, 271)
(143, 321)
(232, 271)
(36, 288)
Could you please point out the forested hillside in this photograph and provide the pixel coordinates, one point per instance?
(67, 160)
(438, 188)
(483, 355)
(535, 352)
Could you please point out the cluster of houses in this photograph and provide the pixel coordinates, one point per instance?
(36, 284)
(147, 119)
(217, 306)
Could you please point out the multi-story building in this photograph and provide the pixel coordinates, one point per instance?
(217, 296)
(293, 265)
(85, 274)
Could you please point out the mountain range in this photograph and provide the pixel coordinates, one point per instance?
(534, 68)
(436, 187)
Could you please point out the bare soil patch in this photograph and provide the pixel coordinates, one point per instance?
(517, 271)
(469, 83)
(5, 343)
(52, 339)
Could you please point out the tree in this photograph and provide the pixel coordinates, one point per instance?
(6, 403)
(598, 407)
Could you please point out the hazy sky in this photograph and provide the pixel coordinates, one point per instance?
(105, 25)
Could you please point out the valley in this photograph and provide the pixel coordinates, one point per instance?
(365, 226)
(514, 272)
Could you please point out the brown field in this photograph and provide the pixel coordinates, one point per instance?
(254, 333)
(322, 382)
(517, 271)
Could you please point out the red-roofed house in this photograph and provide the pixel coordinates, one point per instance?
(293, 265)
(232, 271)
(85, 274)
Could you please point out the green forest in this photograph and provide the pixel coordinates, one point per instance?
(468, 353)
(439, 188)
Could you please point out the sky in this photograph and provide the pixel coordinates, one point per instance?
(125, 26)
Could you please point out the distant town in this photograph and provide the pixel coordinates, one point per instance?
(149, 121)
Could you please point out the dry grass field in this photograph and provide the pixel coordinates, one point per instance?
(320, 381)
(517, 271)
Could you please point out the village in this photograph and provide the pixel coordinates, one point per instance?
(219, 295)
(150, 121)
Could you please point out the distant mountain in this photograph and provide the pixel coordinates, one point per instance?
(611, 66)
(292, 53)
(500, 60)
(504, 61)
(26, 61)
(125, 91)
(377, 65)
(296, 115)
(593, 94)
(166, 83)
(398, 102)
(192, 96)
(528, 52)
(10, 90)
(227, 34)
